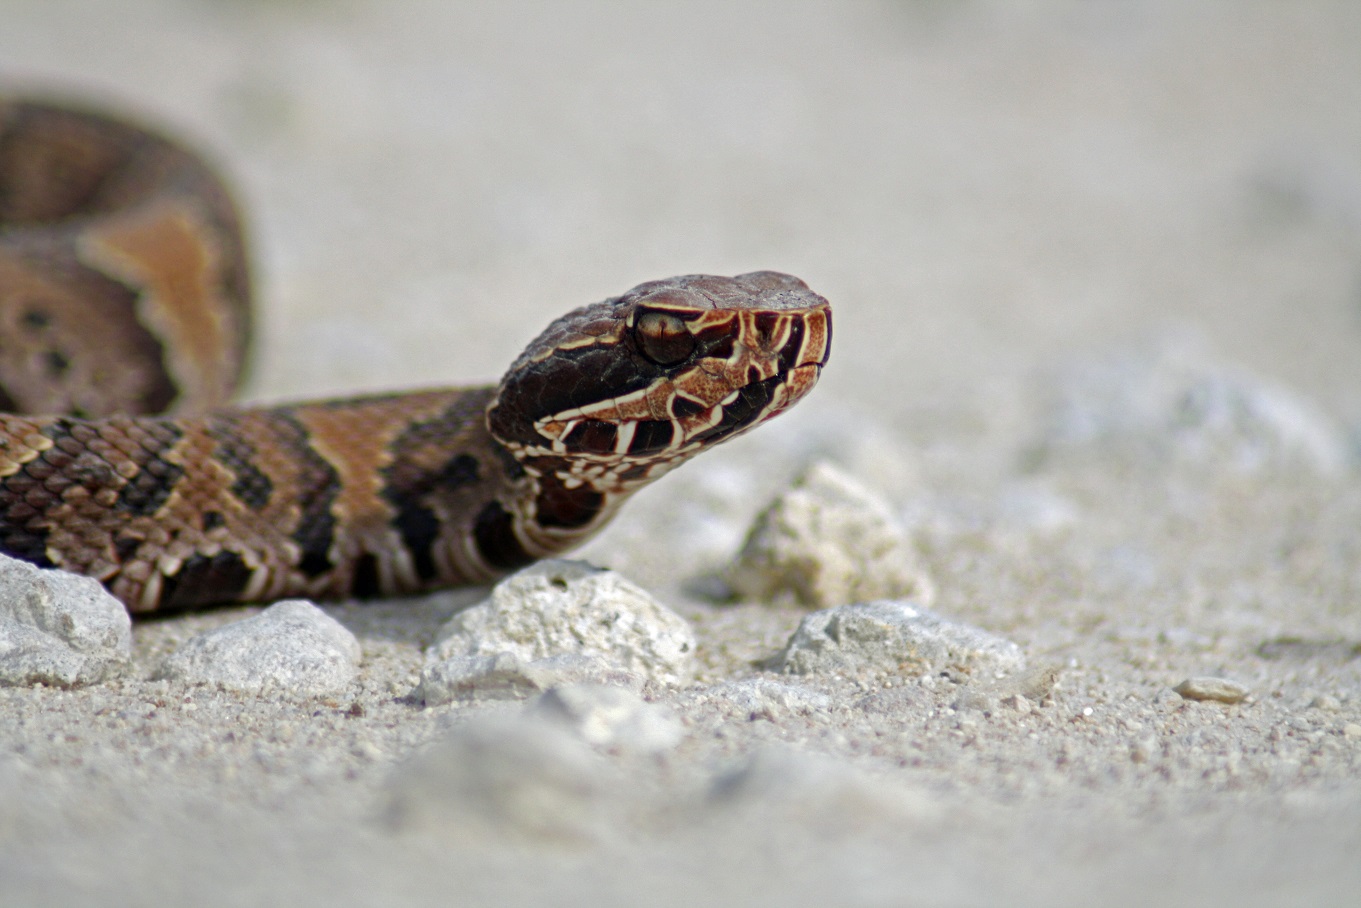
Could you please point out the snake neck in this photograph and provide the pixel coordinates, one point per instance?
(551, 506)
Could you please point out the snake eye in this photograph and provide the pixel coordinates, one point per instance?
(663, 338)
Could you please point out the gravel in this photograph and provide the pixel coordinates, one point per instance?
(1020, 213)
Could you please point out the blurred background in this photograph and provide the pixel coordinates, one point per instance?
(982, 189)
(988, 193)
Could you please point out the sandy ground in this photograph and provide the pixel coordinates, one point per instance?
(1039, 224)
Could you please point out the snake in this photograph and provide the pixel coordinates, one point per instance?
(125, 326)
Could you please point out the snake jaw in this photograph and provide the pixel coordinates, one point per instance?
(614, 395)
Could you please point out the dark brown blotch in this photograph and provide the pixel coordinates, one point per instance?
(206, 580)
(494, 533)
(592, 436)
(366, 582)
(651, 435)
(559, 506)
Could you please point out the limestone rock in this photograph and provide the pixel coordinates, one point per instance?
(292, 647)
(58, 628)
(828, 541)
(569, 608)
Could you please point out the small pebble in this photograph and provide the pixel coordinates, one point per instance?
(1141, 751)
(1218, 689)
(367, 750)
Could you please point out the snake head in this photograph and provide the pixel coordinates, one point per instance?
(618, 392)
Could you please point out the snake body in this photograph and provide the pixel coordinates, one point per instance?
(124, 294)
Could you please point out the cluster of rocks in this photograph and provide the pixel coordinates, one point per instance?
(826, 544)
(64, 630)
(576, 657)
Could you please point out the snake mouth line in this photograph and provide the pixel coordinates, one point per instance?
(779, 362)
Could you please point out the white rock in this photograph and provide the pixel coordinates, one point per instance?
(611, 717)
(291, 647)
(505, 676)
(518, 775)
(58, 628)
(828, 541)
(558, 608)
(893, 637)
(1175, 401)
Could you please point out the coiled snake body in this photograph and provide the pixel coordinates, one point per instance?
(123, 293)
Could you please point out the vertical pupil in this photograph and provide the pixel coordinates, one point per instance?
(663, 338)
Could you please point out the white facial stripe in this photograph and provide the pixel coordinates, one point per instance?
(707, 387)
(558, 444)
(679, 396)
(780, 337)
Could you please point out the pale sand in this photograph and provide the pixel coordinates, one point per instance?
(988, 198)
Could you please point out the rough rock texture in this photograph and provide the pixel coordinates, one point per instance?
(505, 676)
(891, 637)
(292, 647)
(58, 628)
(828, 541)
(557, 608)
(611, 717)
(498, 775)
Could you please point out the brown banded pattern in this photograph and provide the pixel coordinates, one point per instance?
(123, 291)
